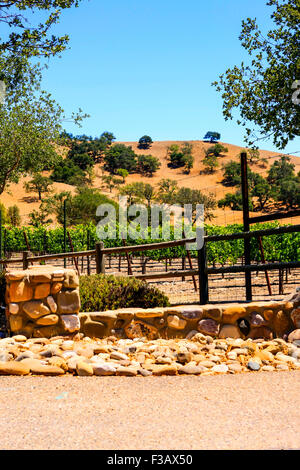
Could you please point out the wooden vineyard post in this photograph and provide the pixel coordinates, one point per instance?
(263, 260)
(27, 244)
(72, 248)
(191, 267)
(65, 231)
(247, 244)
(128, 260)
(100, 258)
(88, 258)
(25, 260)
(203, 277)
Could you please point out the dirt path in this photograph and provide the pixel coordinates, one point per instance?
(246, 411)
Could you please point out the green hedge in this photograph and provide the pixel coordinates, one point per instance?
(99, 293)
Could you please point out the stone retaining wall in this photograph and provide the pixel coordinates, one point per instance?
(42, 302)
(252, 320)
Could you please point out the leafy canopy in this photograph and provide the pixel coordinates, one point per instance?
(261, 91)
(28, 40)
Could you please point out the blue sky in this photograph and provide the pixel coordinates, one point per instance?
(146, 67)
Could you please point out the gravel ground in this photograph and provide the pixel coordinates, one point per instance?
(256, 410)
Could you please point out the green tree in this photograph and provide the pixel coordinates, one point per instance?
(3, 213)
(110, 182)
(232, 173)
(134, 192)
(216, 150)
(281, 169)
(123, 173)
(262, 190)
(180, 156)
(194, 197)
(81, 208)
(120, 156)
(39, 217)
(145, 142)
(234, 201)
(26, 39)
(289, 193)
(55, 205)
(30, 123)
(166, 190)
(82, 160)
(66, 171)
(147, 164)
(13, 216)
(210, 163)
(262, 91)
(253, 155)
(38, 184)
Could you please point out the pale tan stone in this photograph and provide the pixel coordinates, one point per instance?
(268, 314)
(56, 287)
(52, 304)
(13, 309)
(71, 280)
(71, 323)
(68, 302)
(58, 362)
(15, 322)
(229, 331)
(19, 338)
(14, 275)
(150, 313)
(13, 368)
(48, 320)
(232, 314)
(20, 291)
(42, 291)
(84, 369)
(164, 370)
(175, 322)
(35, 309)
(38, 368)
(139, 329)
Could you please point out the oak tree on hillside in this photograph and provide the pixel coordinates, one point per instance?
(39, 184)
(120, 156)
(145, 142)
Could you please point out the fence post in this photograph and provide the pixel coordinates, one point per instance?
(100, 258)
(1, 251)
(88, 247)
(65, 231)
(25, 260)
(203, 276)
(247, 242)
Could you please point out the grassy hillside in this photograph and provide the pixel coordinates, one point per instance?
(211, 183)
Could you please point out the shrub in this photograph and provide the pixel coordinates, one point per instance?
(99, 293)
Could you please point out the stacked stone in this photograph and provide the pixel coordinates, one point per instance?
(247, 321)
(42, 302)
